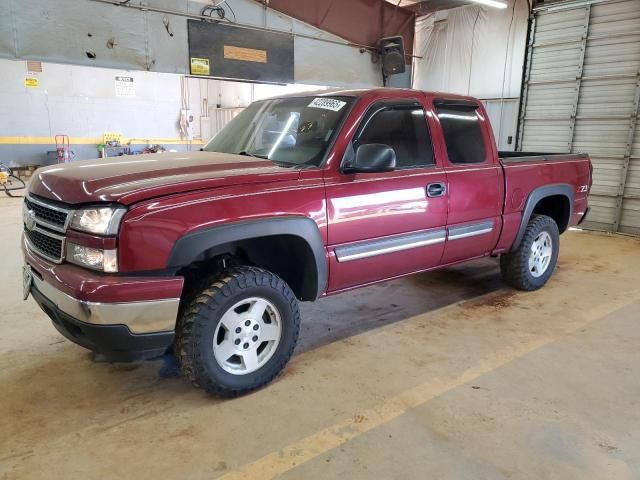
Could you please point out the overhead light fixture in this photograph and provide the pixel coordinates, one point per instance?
(491, 3)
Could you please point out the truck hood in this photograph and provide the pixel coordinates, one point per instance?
(132, 178)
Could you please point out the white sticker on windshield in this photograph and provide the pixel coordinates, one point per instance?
(327, 103)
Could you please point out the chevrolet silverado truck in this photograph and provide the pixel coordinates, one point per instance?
(206, 254)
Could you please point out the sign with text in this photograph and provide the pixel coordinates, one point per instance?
(245, 54)
(240, 53)
(31, 82)
(125, 87)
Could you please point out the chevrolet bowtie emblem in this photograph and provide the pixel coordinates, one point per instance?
(30, 220)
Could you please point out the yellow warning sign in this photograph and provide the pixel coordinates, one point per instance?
(199, 66)
(31, 82)
(111, 137)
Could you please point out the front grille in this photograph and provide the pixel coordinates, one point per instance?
(45, 224)
(48, 215)
(45, 244)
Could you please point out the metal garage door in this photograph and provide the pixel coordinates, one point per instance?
(581, 93)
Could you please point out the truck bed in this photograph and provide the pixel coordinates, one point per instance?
(525, 172)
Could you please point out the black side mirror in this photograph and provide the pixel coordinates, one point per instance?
(372, 158)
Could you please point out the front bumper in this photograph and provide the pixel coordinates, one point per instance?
(115, 342)
(145, 316)
(125, 318)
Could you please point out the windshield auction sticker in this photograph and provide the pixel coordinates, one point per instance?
(327, 103)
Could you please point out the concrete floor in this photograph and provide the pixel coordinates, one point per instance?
(446, 375)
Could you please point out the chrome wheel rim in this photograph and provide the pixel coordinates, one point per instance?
(540, 255)
(247, 336)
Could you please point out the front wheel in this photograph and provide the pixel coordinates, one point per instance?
(531, 265)
(239, 332)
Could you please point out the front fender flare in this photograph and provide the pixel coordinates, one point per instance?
(192, 245)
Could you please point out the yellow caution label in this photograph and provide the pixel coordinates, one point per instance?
(199, 66)
(245, 54)
(31, 82)
(111, 137)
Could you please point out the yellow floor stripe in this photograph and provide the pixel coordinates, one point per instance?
(26, 140)
(308, 448)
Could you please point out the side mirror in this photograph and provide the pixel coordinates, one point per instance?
(372, 158)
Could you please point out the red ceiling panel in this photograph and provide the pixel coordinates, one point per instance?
(359, 21)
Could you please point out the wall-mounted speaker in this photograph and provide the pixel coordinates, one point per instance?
(392, 53)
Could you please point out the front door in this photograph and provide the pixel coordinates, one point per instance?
(388, 224)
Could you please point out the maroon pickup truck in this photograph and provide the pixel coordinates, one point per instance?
(207, 253)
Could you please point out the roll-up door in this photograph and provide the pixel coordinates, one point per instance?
(581, 94)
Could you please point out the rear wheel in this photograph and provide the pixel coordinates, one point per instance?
(531, 265)
(239, 331)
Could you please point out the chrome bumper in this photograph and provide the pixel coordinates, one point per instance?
(140, 317)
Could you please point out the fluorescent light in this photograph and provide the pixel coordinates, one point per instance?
(491, 3)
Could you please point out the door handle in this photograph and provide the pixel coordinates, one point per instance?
(437, 189)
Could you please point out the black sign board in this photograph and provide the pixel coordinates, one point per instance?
(226, 51)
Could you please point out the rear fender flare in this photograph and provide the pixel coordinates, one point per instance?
(532, 200)
(194, 244)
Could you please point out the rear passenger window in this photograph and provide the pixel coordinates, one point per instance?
(403, 129)
(462, 134)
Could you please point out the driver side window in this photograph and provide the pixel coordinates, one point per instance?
(405, 130)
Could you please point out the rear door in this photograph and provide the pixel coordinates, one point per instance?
(387, 224)
(474, 178)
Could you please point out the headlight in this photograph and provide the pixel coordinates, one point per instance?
(102, 260)
(98, 220)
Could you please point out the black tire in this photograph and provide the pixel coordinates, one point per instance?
(514, 265)
(199, 321)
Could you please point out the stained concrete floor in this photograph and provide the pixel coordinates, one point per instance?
(446, 375)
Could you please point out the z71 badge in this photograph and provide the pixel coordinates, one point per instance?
(583, 189)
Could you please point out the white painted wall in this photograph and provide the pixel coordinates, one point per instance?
(76, 95)
(81, 102)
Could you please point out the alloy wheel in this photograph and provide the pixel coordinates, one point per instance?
(540, 255)
(247, 336)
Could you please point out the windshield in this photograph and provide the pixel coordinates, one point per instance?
(290, 131)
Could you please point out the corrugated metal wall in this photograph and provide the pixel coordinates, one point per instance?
(581, 94)
(503, 115)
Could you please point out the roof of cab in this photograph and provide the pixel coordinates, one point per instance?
(374, 92)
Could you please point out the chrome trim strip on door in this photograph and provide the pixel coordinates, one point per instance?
(389, 245)
(472, 230)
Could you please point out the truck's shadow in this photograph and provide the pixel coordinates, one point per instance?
(336, 317)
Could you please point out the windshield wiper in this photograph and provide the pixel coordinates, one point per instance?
(286, 164)
(249, 154)
(279, 164)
